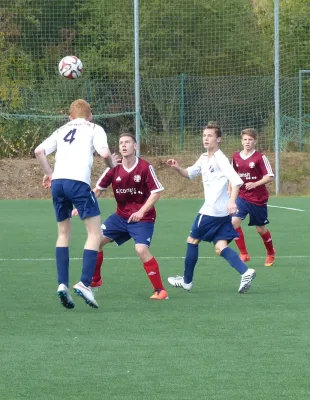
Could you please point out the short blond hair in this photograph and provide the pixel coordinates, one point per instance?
(250, 132)
(80, 109)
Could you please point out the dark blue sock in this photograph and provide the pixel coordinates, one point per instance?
(191, 259)
(62, 262)
(234, 260)
(89, 264)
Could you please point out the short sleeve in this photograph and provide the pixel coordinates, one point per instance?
(229, 171)
(105, 179)
(265, 166)
(100, 138)
(195, 169)
(152, 181)
(50, 144)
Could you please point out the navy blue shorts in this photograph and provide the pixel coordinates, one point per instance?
(68, 193)
(118, 229)
(258, 214)
(213, 229)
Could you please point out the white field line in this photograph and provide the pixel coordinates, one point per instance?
(136, 258)
(287, 208)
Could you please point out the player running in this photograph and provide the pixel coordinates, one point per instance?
(213, 222)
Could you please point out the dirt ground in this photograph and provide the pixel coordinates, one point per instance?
(22, 178)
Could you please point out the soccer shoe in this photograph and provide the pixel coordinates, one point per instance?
(64, 296)
(178, 281)
(96, 284)
(81, 290)
(160, 294)
(246, 280)
(270, 259)
(245, 257)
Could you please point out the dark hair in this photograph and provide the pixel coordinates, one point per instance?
(250, 132)
(128, 134)
(214, 125)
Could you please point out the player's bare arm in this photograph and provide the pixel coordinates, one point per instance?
(41, 157)
(111, 160)
(48, 170)
(97, 192)
(138, 215)
(47, 181)
(232, 206)
(264, 181)
(229, 189)
(175, 165)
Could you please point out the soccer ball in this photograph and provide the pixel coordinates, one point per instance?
(70, 67)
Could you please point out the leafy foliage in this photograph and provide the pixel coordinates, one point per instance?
(193, 38)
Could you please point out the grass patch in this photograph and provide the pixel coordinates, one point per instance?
(208, 343)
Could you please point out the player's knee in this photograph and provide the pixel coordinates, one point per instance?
(95, 236)
(261, 230)
(236, 223)
(64, 234)
(219, 248)
(104, 240)
(192, 240)
(142, 250)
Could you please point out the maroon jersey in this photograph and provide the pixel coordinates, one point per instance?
(253, 168)
(132, 187)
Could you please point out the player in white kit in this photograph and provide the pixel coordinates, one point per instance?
(75, 143)
(214, 221)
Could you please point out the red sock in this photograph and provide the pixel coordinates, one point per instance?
(97, 273)
(240, 242)
(152, 270)
(268, 242)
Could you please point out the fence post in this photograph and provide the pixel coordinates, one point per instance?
(88, 91)
(137, 75)
(300, 108)
(277, 93)
(182, 114)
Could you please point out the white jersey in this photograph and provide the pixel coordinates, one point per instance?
(216, 172)
(75, 144)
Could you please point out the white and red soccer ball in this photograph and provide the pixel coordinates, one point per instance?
(70, 67)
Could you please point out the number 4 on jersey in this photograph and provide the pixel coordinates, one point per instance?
(70, 136)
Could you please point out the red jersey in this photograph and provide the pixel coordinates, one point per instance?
(132, 187)
(253, 168)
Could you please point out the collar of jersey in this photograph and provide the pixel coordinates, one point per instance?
(245, 158)
(78, 120)
(133, 167)
(207, 155)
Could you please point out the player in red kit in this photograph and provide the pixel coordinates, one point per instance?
(136, 189)
(255, 171)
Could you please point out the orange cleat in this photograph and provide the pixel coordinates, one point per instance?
(270, 259)
(96, 284)
(245, 257)
(160, 294)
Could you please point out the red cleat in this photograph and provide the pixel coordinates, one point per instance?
(270, 259)
(160, 294)
(96, 284)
